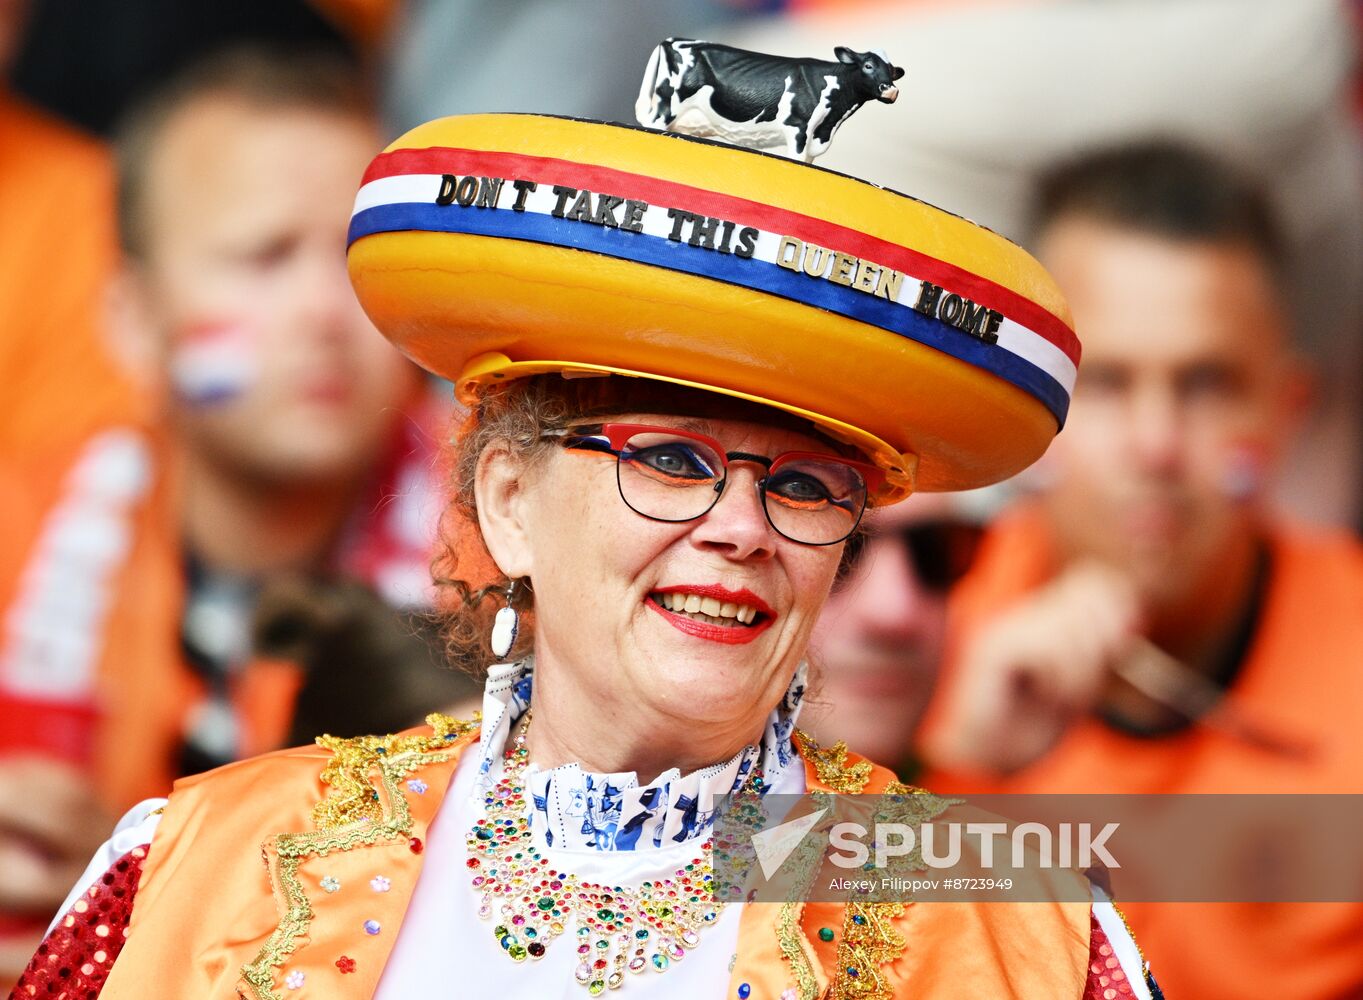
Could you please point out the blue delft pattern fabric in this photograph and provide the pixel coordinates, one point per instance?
(577, 809)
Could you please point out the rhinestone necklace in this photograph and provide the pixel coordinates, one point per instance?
(618, 928)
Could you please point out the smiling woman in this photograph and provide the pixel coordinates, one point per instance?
(668, 447)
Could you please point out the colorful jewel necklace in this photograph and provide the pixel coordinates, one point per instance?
(619, 928)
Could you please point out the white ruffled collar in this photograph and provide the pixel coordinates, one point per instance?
(577, 809)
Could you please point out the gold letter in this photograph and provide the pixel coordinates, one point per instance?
(950, 310)
(842, 268)
(446, 194)
(867, 275)
(928, 297)
(890, 283)
(790, 261)
(489, 190)
(816, 260)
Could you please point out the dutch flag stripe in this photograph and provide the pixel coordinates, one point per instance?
(390, 201)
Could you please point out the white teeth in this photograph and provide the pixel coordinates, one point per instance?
(711, 607)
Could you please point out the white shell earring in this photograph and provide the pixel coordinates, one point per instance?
(506, 625)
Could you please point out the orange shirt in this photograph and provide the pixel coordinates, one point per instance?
(1302, 678)
(56, 200)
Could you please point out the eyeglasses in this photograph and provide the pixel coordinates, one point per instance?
(940, 552)
(668, 474)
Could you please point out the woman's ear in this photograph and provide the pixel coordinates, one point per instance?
(499, 488)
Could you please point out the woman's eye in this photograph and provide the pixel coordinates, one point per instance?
(799, 488)
(675, 460)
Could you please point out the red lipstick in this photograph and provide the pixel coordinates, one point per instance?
(743, 596)
(728, 634)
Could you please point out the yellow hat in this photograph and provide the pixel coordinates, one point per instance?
(493, 247)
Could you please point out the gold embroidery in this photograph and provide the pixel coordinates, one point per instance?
(794, 948)
(869, 942)
(912, 806)
(831, 764)
(806, 860)
(353, 798)
(351, 816)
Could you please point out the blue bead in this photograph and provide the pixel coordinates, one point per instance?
(743, 990)
(853, 971)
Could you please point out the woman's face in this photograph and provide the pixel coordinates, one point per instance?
(605, 578)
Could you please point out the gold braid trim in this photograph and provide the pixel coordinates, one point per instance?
(1145, 963)
(831, 764)
(869, 942)
(351, 816)
(807, 859)
(353, 799)
(794, 949)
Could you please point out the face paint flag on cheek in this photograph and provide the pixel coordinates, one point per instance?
(213, 363)
(1243, 472)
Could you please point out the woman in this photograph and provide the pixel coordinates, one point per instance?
(690, 370)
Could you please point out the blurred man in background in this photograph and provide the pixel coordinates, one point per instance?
(878, 645)
(275, 444)
(1147, 625)
(280, 399)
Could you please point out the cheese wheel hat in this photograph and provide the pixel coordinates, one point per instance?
(494, 247)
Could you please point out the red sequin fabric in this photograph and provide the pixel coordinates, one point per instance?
(75, 959)
(1107, 980)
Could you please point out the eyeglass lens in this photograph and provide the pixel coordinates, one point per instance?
(941, 551)
(677, 478)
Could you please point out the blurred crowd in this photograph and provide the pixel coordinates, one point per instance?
(222, 489)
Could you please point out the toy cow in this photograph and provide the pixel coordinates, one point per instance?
(790, 106)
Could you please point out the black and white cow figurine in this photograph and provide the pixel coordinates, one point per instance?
(791, 106)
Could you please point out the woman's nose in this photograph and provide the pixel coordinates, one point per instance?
(737, 524)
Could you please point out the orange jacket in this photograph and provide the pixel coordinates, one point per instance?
(203, 912)
(1303, 678)
(56, 197)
